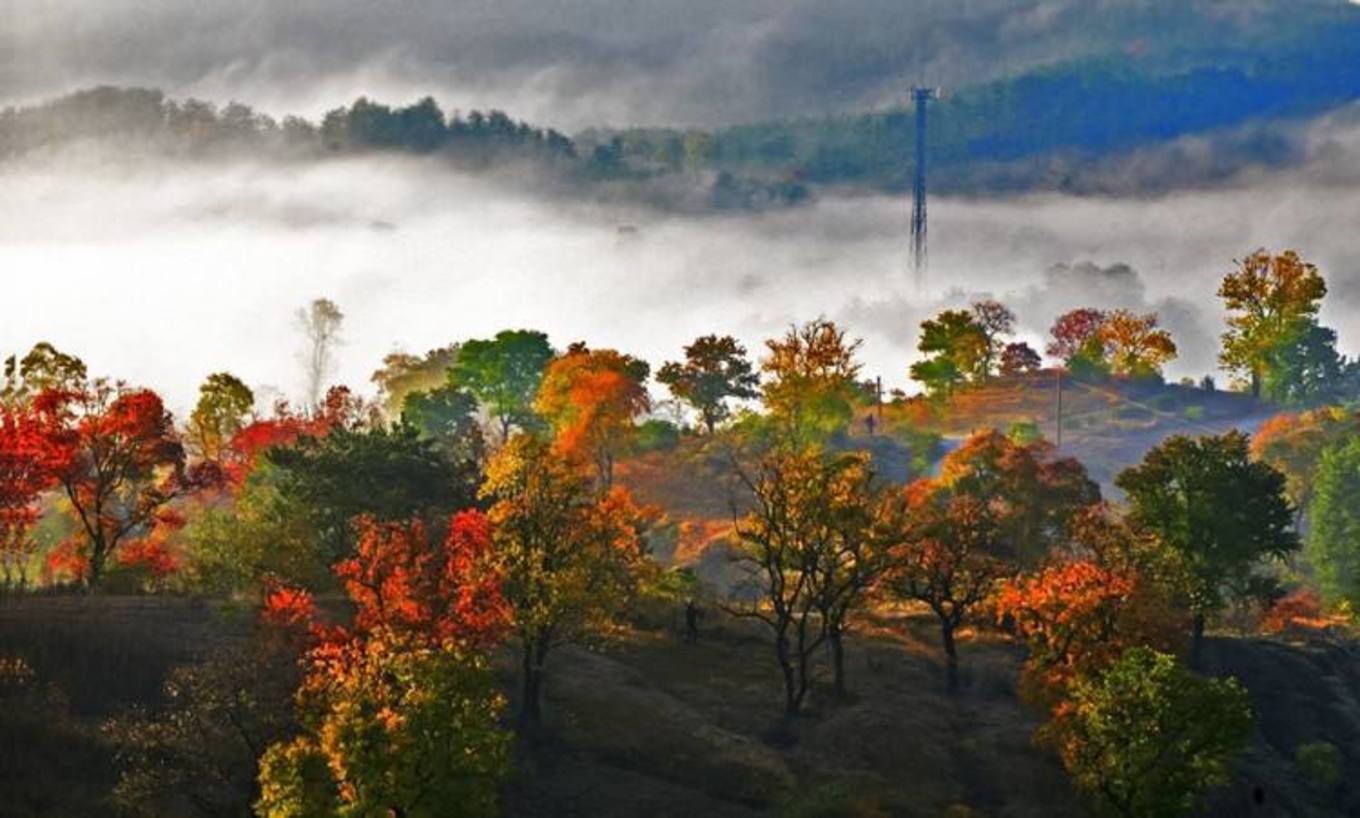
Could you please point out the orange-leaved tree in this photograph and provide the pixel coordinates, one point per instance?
(1068, 614)
(996, 503)
(1293, 442)
(944, 551)
(1109, 589)
(1031, 496)
(592, 398)
(1135, 345)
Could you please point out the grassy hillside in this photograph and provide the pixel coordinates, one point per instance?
(1107, 425)
(649, 725)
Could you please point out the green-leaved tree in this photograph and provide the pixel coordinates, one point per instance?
(1224, 511)
(1147, 737)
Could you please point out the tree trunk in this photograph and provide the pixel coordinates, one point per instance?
(804, 682)
(531, 705)
(604, 465)
(1197, 641)
(837, 662)
(791, 698)
(97, 556)
(951, 656)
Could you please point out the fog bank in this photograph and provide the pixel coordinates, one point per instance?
(161, 274)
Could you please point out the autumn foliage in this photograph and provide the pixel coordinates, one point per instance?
(287, 607)
(119, 460)
(1300, 608)
(243, 452)
(27, 470)
(1068, 614)
(1272, 302)
(390, 728)
(399, 709)
(1134, 344)
(570, 556)
(442, 590)
(944, 552)
(1076, 333)
(592, 398)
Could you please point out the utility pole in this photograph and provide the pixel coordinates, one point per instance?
(920, 97)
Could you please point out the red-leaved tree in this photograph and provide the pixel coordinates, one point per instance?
(27, 470)
(443, 590)
(117, 457)
(1077, 333)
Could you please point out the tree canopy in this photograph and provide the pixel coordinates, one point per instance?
(715, 369)
(1147, 737)
(504, 373)
(1223, 511)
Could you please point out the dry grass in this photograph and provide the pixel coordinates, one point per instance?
(653, 726)
(705, 720)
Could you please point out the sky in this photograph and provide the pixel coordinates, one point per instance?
(575, 63)
(160, 272)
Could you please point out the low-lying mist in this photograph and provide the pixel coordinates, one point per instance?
(162, 273)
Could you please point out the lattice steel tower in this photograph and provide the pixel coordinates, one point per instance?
(920, 97)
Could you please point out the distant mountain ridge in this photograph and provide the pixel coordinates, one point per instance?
(1112, 119)
(1046, 127)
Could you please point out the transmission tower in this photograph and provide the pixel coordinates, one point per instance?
(920, 97)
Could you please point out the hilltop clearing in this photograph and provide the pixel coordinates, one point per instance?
(1108, 425)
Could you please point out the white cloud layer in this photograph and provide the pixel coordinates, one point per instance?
(162, 273)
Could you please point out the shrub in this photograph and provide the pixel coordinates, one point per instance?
(1131, 412)
(1299, 606)
(1320, 762)
(833, 800)
(657, 435)
(1148, 736)
(1025, 432)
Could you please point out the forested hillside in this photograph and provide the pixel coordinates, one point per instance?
(515, 581)
(465, 409)
(1107, 120)
(1069, 117)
